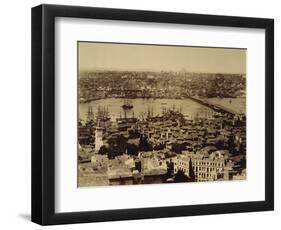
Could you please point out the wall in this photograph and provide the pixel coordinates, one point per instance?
(15, 113)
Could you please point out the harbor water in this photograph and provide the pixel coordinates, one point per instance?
(141, 107)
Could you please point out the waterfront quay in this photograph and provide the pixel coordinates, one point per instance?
(166, 147)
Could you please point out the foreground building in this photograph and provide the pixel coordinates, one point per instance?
(205, 168)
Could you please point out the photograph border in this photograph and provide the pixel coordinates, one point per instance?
(43, 114)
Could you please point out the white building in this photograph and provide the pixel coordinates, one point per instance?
(205, 168)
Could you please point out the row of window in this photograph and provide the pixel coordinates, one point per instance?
(207, 175)
(180, 168)
(208, 163)
(197, 169)
(206, 169)
(183, 163)
(203, 163)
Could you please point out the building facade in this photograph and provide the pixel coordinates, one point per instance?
(209, 168)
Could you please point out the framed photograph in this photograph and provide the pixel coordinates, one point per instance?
(142, 114)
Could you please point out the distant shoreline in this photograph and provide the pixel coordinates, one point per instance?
(154, 98)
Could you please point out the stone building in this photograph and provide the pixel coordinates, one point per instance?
(209, 168)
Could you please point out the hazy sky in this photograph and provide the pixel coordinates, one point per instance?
(110, 56)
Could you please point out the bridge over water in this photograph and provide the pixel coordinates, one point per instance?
(215, 107)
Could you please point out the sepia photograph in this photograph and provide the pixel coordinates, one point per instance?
(157, 114)
(142, 114)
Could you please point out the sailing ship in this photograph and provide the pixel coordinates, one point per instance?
(90, 114)
(102, 114)
(127, 105)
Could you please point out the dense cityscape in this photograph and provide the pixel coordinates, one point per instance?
(169, 146)
(177, 85)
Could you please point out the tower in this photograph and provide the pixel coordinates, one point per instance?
(98, 138)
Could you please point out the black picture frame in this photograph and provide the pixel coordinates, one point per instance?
(43, 114)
